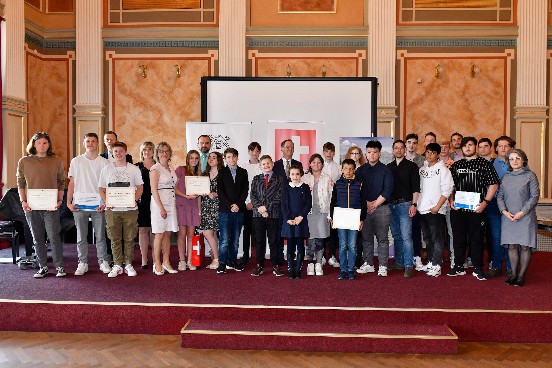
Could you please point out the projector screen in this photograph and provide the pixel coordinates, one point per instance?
(347, 106)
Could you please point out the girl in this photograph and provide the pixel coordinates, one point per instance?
(321, 186)
(210, 207)
(187, 209)
(296, 203)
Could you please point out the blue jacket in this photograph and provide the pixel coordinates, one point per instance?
(347, 193)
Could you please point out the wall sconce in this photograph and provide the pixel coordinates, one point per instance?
(419, 80)
(288, 70)
(474, 70)
(438, 71)
(324, 71)
(144, 69)
(177, 70)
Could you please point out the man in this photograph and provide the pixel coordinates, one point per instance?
(404, 201)
(282, 166)
(377, 188)
(121, 222)
(83, 199)
(232, 192)
(503, 145)
(253, 168)
(204, 146)
(412, 155)
(456, 143)
(484, 147)
(110, 137)
(411, 147)
(436, 185)
(473, 177)
(332, 169)
(430, 137)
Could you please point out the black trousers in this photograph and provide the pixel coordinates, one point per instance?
(248, 234)
(467, 225)
(266, 229)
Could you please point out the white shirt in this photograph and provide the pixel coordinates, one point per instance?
(332, 169)
(124, 176)
(252, 171)
(86, 173)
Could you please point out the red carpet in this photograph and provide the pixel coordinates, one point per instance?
(474, 310)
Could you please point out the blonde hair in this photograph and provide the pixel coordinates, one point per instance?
(144, 146)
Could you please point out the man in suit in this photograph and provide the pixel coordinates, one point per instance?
(233, 186)
(110, 137)
(281, 167)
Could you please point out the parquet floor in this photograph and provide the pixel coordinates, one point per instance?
(38, 349)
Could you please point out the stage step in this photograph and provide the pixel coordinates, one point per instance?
(313, 336)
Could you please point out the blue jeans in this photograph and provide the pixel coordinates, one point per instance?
(495, 225)
(401, 229)
(230, 226)
(347, 249)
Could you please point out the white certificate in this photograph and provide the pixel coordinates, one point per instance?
(346, 218)
(466, 200)
(87, 201)
(120, 197)
(197, 185)
(42, 199)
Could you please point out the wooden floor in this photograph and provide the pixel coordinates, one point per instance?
(37, 349)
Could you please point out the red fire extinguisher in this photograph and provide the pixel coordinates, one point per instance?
(198, 253)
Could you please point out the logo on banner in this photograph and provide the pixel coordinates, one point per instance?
(304, 142)
(220, 142)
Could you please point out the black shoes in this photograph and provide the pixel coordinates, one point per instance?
(221, 270)
(277, 271)
(257, 271)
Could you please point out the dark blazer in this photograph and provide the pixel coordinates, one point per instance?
(106, 156)
(280, 170)
(296, 201)
(268, 197)
(230, 192)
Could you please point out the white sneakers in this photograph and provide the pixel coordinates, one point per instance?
(333, 262)
(434, 271)
(60, 272)
(129, 270)
(365, 268)
(191, 267)
(82, 268)
(382, 271)
(115, 271)
(427, 267)
(104, 267)
(181, 265)
(318, 270)
(310, 269)
(418, 263)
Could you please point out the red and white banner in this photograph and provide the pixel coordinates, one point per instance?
(307, 137)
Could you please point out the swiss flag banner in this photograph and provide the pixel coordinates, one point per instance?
(306, 137)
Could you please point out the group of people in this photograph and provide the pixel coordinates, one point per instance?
(417, 196)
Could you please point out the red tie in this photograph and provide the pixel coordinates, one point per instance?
(266, 180)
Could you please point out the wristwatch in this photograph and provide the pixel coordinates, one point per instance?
(414, 204)
(486, 200)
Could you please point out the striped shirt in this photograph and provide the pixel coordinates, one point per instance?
(475, 175)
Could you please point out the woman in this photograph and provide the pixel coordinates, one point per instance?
(517, 199)
(187, 209)
(210, 206)
(163, 207)
(42, 169)
(144, 216)
(321, 186)
(355, 154)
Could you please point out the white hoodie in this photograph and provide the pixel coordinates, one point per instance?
(435, 181)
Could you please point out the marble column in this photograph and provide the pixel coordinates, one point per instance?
(381, 61)
(14, 103)
(89, 109)
(531, 116)
(232, 22)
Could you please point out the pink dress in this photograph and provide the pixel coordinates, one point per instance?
(187, 210)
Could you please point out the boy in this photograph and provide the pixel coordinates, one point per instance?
(232, 193)
(121, 222)
(266, 190)
(347, 193)
(436, 185)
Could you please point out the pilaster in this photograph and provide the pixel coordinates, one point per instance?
(232, 24)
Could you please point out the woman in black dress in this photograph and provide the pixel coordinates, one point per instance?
(144, 216)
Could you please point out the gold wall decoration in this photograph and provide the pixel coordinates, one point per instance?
(161, 4)
(307, 6)
(456, 3)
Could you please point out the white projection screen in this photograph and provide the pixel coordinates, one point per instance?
(347, 106)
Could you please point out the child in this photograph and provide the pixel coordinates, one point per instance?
(296, 204)
(321, 186)
(347, 193)
(332, 169)
(266, 191)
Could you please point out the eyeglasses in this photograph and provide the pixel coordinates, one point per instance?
(164, 152)
(398, 148)
(355, 153)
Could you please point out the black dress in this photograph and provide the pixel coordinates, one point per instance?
(144, 215)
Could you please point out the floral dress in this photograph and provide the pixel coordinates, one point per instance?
(209, 210)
